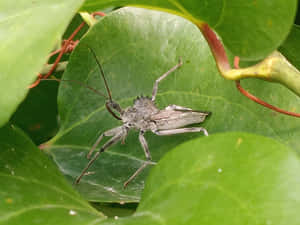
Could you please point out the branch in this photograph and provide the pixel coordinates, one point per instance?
(274, 68)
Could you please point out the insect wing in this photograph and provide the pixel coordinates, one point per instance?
(172, 119)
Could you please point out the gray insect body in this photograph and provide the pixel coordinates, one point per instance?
(145, 116)
(174, 116)
(139, 115)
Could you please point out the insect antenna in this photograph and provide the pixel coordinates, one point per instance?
(111, 102)
(80, 83)
(102, 74)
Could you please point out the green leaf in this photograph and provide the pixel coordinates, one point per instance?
(291, 48)
(232, 178)
(135, 47)
(33, 191)
(250, 29)
(29, 30)
(37, 115)
(115, 209)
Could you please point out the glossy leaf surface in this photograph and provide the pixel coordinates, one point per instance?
(29, 30)
(250, 29)
(135, 47)
(196, 183)
(33, 191)
(231, 178)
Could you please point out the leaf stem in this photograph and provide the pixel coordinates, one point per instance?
(274, 68)
(256, 99)
(216, 47)
(67, 46)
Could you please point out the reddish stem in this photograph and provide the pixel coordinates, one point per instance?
(222, 61)
(57, 60)
(36, 83)
(54, 53)
(63, 49)
(216, 47)
(72, 44)
(98, 14)
(236, 62)
(67, 46)
(256, 99)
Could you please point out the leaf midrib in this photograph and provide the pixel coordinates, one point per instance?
(42, 206)
(51, 187)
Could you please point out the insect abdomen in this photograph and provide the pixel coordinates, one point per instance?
(166, 120)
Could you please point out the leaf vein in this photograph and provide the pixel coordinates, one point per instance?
(42, 206)
(23, 179)
(107, 151)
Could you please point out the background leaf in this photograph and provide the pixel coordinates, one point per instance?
(33, 191)
(37, 114)
(29, 31)
(135, 47)
(250, 29)
(199, 176)
(232, 178)
(196, 183)
(290, 48)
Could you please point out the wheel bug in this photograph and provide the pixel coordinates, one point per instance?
(144, 116)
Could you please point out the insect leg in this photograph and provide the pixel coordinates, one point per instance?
(147, 154)
(181, 131)
(94, 146)
(155, 87)
(109, 143)
(139, 170)
(144, 145)
(111, 132)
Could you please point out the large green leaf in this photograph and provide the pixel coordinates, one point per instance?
(231, 178)
(32, 189)
(28, 32)
(225, 179)
(37, 115)
(135, 47)
(250, 29)
(228, 179)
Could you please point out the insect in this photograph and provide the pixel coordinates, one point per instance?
(145, 116)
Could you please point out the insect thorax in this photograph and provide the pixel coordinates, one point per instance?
(139, 114)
